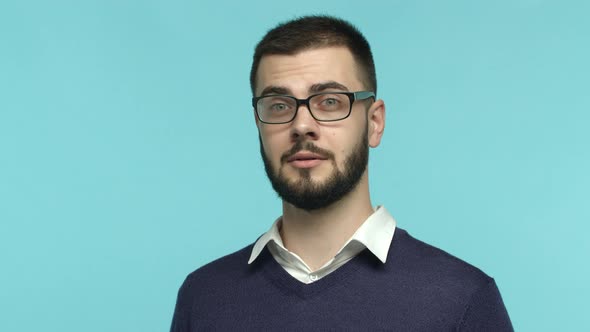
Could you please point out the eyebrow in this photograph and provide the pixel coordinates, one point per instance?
(316, 88)
(331, 85)
(275, 90)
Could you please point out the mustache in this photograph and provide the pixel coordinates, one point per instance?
(307, 146)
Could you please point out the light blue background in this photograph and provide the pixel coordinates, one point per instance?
(129, 156)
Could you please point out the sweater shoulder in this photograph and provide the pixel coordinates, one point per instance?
(227, 266)
(418, 258)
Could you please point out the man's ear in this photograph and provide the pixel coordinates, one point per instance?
(376, 122)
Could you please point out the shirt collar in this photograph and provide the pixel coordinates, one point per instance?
(375, 234)
(271, 235)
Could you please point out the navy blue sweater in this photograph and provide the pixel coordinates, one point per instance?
(419, 288)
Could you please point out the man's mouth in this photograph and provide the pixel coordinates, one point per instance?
(305, 159)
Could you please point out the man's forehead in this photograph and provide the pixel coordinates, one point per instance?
(311, 67)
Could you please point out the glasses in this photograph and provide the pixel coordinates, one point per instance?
(326, 106)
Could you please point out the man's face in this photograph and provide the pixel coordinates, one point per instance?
(313, 164)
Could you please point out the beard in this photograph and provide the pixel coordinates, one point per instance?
(307, 194)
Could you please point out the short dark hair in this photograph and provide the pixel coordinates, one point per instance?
(309, 32)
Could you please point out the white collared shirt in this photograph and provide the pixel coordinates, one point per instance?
(374, 234)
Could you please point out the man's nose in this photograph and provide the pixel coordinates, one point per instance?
(304, 126)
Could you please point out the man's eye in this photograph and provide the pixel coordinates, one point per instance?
(279, 107)
(330, 101)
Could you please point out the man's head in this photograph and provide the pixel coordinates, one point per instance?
(317, 115)
(311, 32)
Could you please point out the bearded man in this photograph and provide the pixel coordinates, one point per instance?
(331, 261)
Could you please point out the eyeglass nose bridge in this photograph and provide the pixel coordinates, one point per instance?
(299, 103)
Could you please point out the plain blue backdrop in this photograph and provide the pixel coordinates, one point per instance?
(129, 155)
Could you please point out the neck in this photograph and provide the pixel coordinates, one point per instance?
(316, 236)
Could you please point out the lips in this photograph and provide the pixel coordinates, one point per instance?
(305, 159)
(304, 155)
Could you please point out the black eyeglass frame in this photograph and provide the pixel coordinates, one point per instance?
(352, 96)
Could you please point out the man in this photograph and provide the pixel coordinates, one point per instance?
(331, 261)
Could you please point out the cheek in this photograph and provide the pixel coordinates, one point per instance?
(349, 144)
(342, 156)
(271, 149)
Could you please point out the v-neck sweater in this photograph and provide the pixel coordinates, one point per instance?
(419, 288)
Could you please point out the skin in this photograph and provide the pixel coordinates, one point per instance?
(316, 236)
